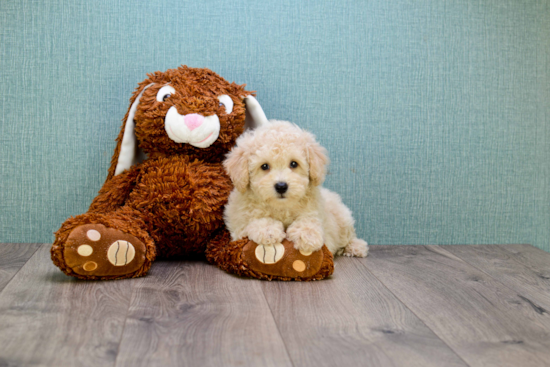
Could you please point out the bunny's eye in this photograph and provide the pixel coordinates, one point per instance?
(165, 92)
(226, 102)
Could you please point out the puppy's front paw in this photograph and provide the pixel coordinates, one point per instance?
(266, 232)
(306, 238)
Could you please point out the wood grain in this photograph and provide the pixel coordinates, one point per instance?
(49, 319)
(532, 257)
(403, 305)
(485, 322)
(193, 314)
(351, 320)
(12, 257)
(501, 264)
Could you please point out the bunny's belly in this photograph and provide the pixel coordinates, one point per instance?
(183, 203)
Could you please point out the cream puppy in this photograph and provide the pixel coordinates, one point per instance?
(277, 171)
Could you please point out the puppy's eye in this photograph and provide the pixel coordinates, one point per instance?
(293, 164)
(165, 92)
(265, 166)
(226, 102)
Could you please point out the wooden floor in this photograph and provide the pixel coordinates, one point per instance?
(402, 306)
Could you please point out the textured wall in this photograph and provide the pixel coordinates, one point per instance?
(435, 113)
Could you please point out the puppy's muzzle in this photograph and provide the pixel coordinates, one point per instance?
(281, 187)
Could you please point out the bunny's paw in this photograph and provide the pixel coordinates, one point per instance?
(93, 250)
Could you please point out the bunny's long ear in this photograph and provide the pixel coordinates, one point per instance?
(127, 152)
(255, 116)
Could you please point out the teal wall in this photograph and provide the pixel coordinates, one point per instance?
(435, 113)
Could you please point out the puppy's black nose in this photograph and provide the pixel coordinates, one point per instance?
(281, 187)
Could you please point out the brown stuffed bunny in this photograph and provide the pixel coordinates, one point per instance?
(166, 187)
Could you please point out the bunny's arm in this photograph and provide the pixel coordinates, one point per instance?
(115, 191)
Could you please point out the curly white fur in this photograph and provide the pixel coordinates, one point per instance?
(307, 214)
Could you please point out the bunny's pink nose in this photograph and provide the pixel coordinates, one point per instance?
(193, 120)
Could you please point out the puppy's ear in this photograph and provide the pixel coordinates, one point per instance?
(236, 166)
(318, 161)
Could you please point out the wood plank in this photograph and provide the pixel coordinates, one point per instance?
(500, 264)
(49, 319)
(12, 257)
(531, 257)
(193, 314)
(351, 319)
(486, 323)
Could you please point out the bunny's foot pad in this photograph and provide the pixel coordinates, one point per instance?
(95, 251)
(280, 262)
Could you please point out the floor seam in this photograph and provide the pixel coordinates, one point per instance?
(517, 261)
(133, 281)
(519, 293)
(414, 313)
(40, 245)
(277, 326)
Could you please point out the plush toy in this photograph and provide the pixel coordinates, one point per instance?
(166, 187)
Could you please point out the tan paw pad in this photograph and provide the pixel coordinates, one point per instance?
(121, 253)
(306, 253)
(93, 235)
(90, 266)
(85, 250)
(299, 266)
(270, 254)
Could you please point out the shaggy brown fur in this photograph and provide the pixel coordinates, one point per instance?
(173, 201)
